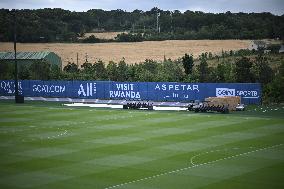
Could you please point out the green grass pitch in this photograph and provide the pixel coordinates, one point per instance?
(47, 145)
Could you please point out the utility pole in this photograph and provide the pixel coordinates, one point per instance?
(171, 22)
(158, 15)
(77, 59)
(98, 23)
(86, 58)
(15, 58)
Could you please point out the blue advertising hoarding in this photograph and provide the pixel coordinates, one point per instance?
(250, 93)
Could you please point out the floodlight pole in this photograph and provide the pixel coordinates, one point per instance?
(171, 14)
(15, 56)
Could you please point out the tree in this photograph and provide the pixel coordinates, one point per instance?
(273, 92)
(87, 71)
(125, 37)
(55, 72)
(6, 70)
(172, 71)
(24, 72)
(122, 71)
(91, 39)
(71, 68)
(112, 71)
(87, 67)
(263, 73)
(151, 66)
(51, 25)
(229, 71)
(243, 70)
(187, 62)
(100, 70)
(220, 72)
(203, 69)
(40, 70)
(132, 72)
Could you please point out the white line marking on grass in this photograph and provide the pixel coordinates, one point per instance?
(55, 136)
(219, 150)
(192, 166)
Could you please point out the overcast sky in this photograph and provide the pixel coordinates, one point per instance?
(215, 6)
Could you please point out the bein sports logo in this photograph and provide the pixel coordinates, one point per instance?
(225, 92)
(233, 92)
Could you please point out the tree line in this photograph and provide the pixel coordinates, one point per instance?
(229, 67)
(58, 25)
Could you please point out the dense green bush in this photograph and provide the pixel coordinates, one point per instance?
(129, 37)
(91, 39)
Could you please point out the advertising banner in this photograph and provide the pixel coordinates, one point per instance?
(250, 93)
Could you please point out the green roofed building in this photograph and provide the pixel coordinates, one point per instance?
(27, 58)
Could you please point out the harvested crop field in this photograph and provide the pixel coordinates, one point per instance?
(132, 52)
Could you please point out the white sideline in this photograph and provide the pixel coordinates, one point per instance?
(193, 166)
(94, 105)
(169, 108)
(121, 106)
